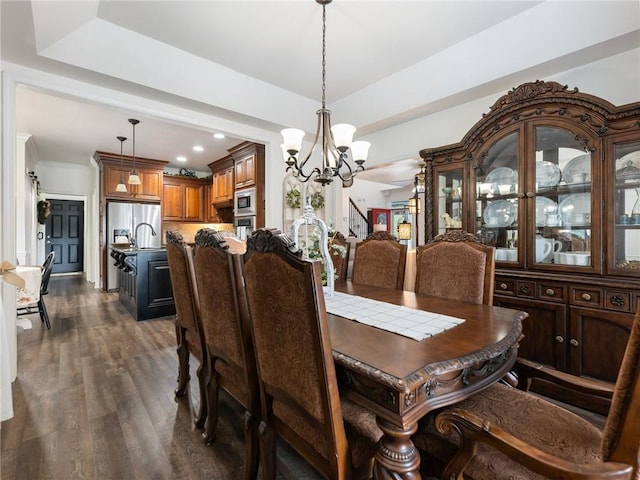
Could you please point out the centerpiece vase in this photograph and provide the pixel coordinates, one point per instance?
(309, 218)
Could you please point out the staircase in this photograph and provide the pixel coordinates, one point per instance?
(358, 223)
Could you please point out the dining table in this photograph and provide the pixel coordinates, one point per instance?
(401, 379)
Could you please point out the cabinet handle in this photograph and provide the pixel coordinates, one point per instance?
(530, 194)
(586, 297)
(521, 195)
(559, 339)
(550, 292)
(573, 342)
(503, 286)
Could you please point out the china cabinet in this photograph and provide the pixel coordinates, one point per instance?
(550, 177)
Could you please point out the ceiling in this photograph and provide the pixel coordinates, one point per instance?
(258, 63)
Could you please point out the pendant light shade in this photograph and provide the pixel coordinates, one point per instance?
(121, 187)
(134, 179)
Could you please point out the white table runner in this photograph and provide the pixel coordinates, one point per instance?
(416, 324)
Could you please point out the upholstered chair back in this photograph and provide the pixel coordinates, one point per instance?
(299, 389)
(187, 321)
(456, 266)
(380, 263)
(227, 336)
(340, 263)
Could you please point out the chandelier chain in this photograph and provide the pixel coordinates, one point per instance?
(324, 55)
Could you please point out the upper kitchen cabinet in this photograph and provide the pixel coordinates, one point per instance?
(550, 177)
(183, 199)
(113, 172)
(222, 185)
(248, 159)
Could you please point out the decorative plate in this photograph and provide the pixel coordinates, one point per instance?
(502, 176)
(544, 205)
(578, 170)
(547, 174)
(575, 209)
(500, 213)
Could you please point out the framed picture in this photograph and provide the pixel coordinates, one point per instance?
(380, 220)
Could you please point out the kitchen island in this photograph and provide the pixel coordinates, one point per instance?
(144, 281)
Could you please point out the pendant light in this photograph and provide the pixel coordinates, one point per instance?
(121, 187)
(134, 179)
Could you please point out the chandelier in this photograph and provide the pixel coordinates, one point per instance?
(336, 140)
(134, 179)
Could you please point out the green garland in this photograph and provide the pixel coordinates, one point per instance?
(317, 201)
(294, 198)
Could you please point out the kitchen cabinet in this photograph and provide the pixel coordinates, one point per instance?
(183, 199)
(113, 171)
(249, 171)
(222, 187)
(550, 177)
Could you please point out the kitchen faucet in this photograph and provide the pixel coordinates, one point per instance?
(135, 232)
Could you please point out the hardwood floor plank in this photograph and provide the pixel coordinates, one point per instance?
(110, 454)
(75, 455)
(99, 400)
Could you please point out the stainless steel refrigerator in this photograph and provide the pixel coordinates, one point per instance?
(124, 220)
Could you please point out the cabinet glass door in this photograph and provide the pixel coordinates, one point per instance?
(562, 210)
(449, 194)
(626, 233)
(496, 208)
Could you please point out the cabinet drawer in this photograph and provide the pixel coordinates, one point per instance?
(505, 286)
(591, 297)
(550, 291)
(526, 289)
(617, 300)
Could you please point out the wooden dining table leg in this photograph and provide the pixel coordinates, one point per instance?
(396, 457)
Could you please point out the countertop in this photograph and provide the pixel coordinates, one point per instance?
(136, 250)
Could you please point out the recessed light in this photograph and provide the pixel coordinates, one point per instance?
(198, 148)
(218, 135)
(181, 159)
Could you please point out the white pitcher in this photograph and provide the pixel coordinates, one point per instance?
(544, 249)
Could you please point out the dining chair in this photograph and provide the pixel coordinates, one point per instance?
(503, 432)
(40, 306)
(379, 261)
(187, 322)
(457, 266)
(226, 330)
(340, 263)
(298, 385)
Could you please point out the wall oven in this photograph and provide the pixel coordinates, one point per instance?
(244, 202)
(244, 226)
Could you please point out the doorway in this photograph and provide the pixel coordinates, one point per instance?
(64, 234)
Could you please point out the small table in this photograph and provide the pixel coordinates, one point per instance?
(30, 294)
(401, 379)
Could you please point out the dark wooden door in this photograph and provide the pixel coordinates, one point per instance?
(64, 234)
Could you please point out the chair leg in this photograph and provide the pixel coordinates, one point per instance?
(183, 362)
(201, 415)
(211, 423)
(42, 310)
(266, 435)
(252, 452)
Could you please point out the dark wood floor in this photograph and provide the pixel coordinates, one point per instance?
(94, 400)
